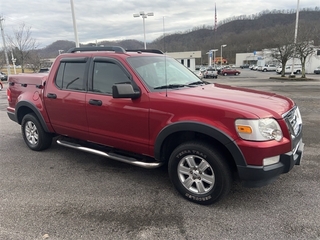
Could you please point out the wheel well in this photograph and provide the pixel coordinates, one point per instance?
(177, 138)
(22, 112)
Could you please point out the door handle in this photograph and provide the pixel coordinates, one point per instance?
(95, 102)
(52, 95)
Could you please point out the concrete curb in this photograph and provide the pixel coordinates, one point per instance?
(298, 79)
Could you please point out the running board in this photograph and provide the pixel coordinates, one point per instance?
(113, 156)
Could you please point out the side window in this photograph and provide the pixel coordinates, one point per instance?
(105, 75)
(71, 75)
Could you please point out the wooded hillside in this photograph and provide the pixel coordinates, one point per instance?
(241, 34)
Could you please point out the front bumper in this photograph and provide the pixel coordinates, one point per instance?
(257, 176)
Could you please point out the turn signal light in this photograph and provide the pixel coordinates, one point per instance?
(244, 129)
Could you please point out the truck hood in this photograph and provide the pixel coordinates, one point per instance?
(255, 103)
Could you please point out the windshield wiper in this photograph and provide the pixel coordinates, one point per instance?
(172, 86)
(197, 83)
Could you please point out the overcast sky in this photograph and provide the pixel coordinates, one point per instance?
(51, 20)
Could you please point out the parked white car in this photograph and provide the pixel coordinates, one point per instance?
(296, 70)
(269, 67)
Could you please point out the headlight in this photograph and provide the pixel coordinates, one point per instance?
(259, 129)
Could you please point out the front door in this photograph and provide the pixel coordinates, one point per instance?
(119, 123)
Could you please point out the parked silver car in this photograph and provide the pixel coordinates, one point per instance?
(3, 76)
(198, 73)
(211, 73)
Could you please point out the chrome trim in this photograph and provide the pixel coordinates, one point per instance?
(294, 150)
(293, 121)
(113, 156)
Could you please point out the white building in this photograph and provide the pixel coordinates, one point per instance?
(260, 58)
(188, 59)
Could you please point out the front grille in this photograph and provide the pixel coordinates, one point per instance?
(294, 121)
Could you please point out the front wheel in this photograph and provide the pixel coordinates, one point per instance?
(225, 74)
(33, 133)
(199, 173)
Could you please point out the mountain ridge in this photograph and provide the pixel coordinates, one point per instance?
(241, 34)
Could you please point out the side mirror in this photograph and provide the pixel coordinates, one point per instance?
(124, 90)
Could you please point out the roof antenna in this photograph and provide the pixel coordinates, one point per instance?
(165, 57)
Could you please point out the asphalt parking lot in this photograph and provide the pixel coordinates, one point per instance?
(61, 193)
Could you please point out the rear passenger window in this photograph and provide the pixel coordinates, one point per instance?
(71, 75)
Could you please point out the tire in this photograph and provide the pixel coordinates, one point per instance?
(1, 87)
(199, 173)
(236, 74)
(33, 134)
(225, 74)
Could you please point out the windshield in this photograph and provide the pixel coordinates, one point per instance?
(160, 72)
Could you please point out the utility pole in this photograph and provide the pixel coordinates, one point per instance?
(4, 47)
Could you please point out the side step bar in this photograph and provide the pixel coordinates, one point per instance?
(113, 156)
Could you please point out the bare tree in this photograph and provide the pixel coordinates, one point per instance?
(304, 48)
(282, 38)
(22, 44)
(282, 54)
(34, 60)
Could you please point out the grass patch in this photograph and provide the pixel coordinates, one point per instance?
(18, 70)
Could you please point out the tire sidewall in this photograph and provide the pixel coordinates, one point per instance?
(221, 172)
(44, 139)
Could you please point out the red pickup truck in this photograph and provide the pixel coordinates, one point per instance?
(145, 108)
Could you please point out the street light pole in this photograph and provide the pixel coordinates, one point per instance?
(222, 46)
(74, 24)
(13, 62)
(143, 15)
(214, 57)
(295, 39)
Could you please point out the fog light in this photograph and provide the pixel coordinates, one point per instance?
(271, 160)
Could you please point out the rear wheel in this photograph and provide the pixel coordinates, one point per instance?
(225, 74)
(199, 173)
(33, 133)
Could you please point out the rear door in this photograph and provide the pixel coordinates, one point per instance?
(65, 98)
